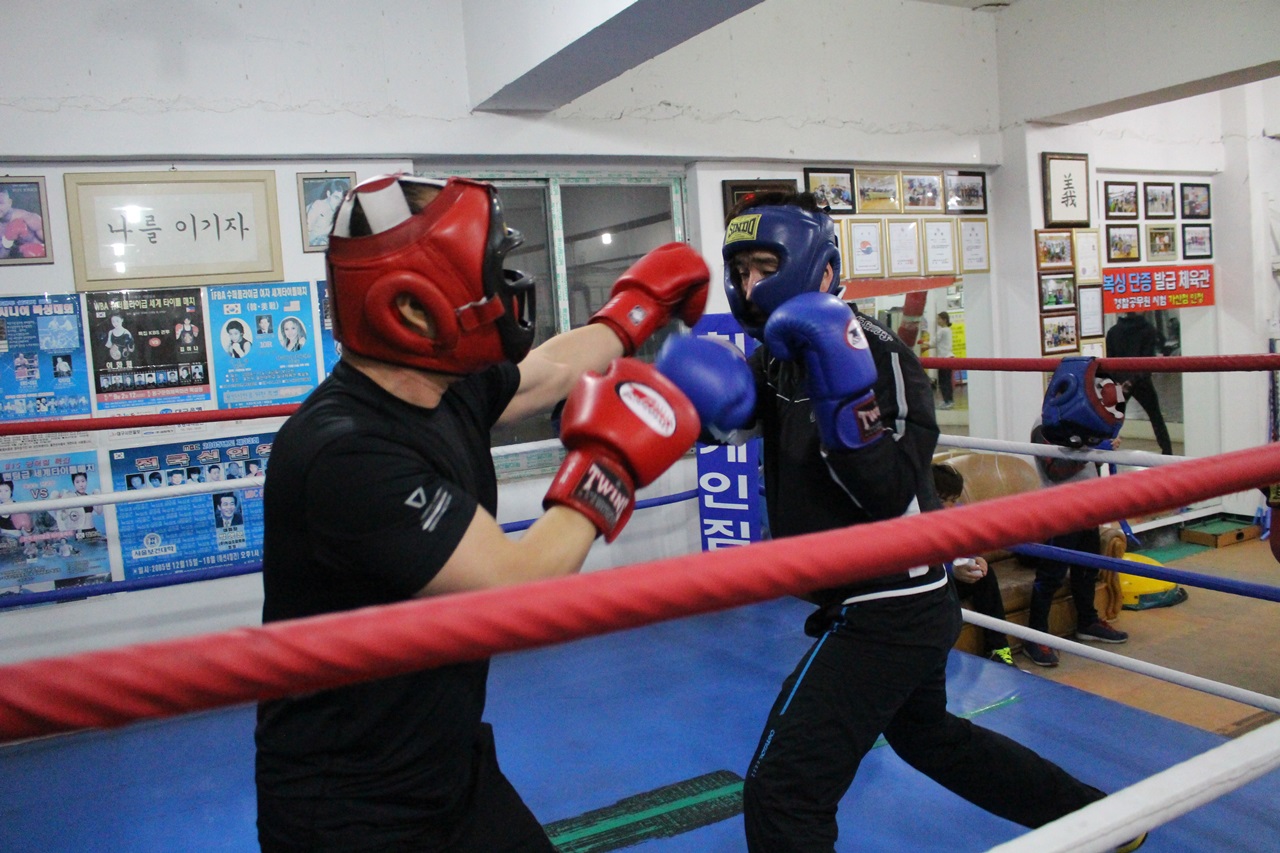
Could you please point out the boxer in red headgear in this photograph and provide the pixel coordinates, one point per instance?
(382, 488)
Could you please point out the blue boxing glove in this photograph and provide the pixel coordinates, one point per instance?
(820, 329)
(714, 375)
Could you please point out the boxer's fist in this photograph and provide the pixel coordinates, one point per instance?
(622, 430)
(821, 331)
(671, 279)
(715, 377)
(17, 231)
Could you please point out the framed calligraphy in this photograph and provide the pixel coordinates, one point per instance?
(174, 228)
(1065, 180)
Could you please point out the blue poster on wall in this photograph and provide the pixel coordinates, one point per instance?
(45, 550)
(328, 346)
(264, 352)
(44, 372)
(212, 530)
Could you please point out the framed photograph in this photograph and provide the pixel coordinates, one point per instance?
(864, 241)
(736, 191)
(1065, 181)
(1123, 244)
(939, 246)
(1088, 250)
(173, 228)
(1054, 250)
(1195, 201)
(904, 246)
(1059, 333)
(319, 196)
(1159, 201)
(1057, 291)
(1162, 243)
(975, 247)
(878, 192)
(1090, 300)
(833, 190)
(1121, 198)
(24, 218)
(922, 191)
(966, 192)
(1197, 241)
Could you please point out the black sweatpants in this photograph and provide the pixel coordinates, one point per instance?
(1051, 573)
(1144, 391)
(881, 668)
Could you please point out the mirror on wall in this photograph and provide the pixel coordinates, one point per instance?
(1155, 400)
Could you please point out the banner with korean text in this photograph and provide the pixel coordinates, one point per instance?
(1156, 288)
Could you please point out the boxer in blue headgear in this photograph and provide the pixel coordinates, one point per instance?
(1080, 406)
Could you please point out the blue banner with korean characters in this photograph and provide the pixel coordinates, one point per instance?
(52, 549)
(211, 530)
(328, 346)
(148, 347)
(730, 506)
(265, 350)
(44, 370)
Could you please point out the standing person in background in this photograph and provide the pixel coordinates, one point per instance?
(941, 346)
(1133, 337)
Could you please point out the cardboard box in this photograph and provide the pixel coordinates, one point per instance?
(1218, 534)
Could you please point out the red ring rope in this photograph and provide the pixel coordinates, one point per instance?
(142, 421)
(108, 688)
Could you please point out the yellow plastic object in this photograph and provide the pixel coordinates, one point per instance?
(1139, 593)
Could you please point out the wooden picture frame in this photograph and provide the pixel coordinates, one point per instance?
(903, 238)
(1059, 333)
(1055, 249)
(1120, 199)
(1197, 242)
(1057, 291)
(922, 192)
(939, 239)
(1159, 200)
(1195, 201)
(1087, 246)
(878, 191)
(1124, 244)
(319, 195)
(173, 228)
(864, 239)
(1162, 242)
(975, 246)
(735, 191)
(24, 222)
(965, 192)
(832, 189)
(1065, 183)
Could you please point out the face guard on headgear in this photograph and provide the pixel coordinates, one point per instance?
(448, 257)
(1080, 407)
(803, 240)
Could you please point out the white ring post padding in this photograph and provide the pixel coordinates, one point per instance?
(1195, 682)
(1139, 458)
(1156, 800)
(135, 495)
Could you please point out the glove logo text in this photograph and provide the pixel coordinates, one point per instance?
(649, 406)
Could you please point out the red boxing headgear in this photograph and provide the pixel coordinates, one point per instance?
(448, 257)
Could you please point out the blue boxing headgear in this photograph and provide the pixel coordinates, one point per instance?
(1080, 407)
(803, 240)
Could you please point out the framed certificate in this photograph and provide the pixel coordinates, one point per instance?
(865, 243)
(939, 247)
(975, 251)
(904, 246)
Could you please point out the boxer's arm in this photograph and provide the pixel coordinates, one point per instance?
(548, 373)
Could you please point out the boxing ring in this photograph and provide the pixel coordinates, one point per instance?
(627, 701)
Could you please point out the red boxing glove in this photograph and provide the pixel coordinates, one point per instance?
(622, 430)
(17, 231)
(670, 279)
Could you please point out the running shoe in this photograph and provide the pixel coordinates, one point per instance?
(1041, 655)
(1101, 632)
(1004, 656)
(1132, 844)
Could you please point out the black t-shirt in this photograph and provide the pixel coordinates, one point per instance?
(365, 500)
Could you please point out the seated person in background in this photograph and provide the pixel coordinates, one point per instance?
(977, 581)
(1081, 409)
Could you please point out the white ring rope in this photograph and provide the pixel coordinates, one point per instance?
(133, 495)
(1195, 682)
(1156, 800)
(1140, 458)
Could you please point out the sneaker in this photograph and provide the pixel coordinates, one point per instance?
(1132, 844)
(1003, 656)
(1101, 632)
(1041, 655)
(946, 405)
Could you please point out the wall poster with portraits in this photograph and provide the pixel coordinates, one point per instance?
(264, 343)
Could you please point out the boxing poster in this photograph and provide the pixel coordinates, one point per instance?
(148, 347)
(209, 530)
(44, 372)
(264, 343)
(730, 506)
(328, 346)
(45, 550)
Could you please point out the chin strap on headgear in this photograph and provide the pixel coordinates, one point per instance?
(448, 258)
(803, 240)
(1080, 407)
